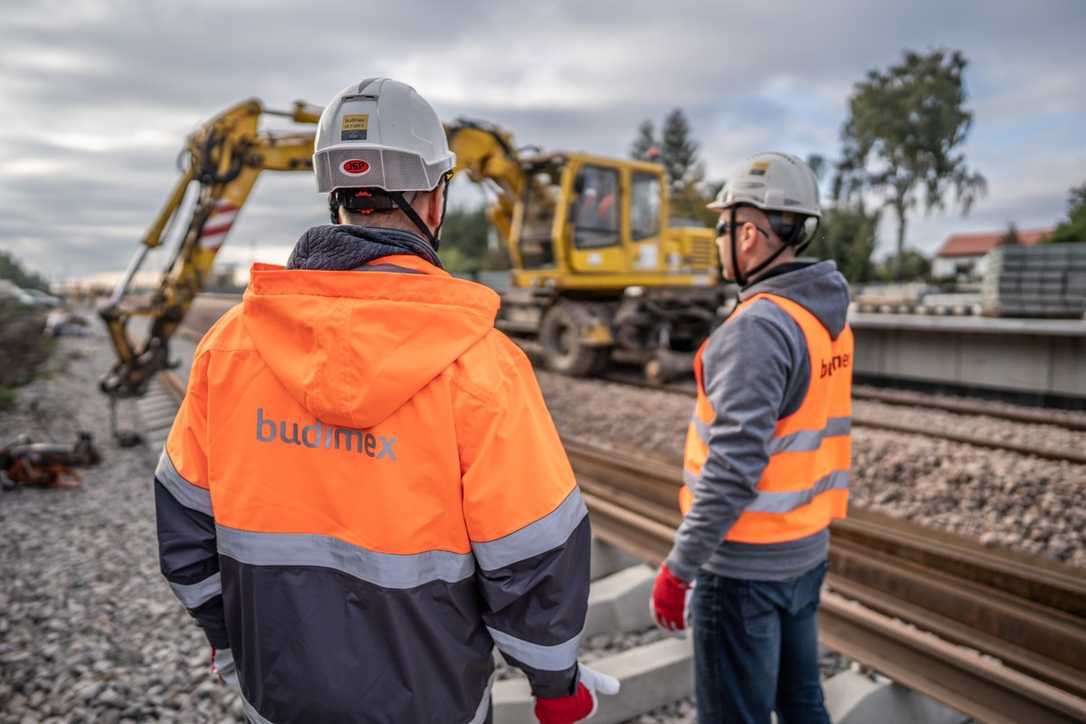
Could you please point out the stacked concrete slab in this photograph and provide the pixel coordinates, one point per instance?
(1047, 280)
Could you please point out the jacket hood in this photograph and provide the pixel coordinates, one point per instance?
(353, 346)
(819, 287)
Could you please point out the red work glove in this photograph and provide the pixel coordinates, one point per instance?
(581, 704)
(669, 601)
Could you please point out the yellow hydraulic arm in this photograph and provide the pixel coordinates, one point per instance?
(223, 158)
(487, 154)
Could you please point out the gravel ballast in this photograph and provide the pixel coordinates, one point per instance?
(89, 630)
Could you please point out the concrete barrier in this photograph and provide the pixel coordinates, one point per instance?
(853, 698)
(606, 559)
(620, 602)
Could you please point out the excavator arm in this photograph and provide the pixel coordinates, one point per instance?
(223, 158)
(486, 153)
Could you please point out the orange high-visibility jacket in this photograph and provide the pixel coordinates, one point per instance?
(805, 483)
(363, 493)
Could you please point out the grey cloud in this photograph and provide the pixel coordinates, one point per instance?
(565, 74)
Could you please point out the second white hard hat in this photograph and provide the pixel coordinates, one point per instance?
(380, 133)
(771, 182)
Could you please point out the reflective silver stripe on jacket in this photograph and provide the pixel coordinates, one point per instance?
(193, 595)
(809, 440)
(251, 713)
(690, 479)
(799, 441)
(547, 533)
(483, 709)
(545, 658)
(701, 427)
(388, 570)
(189, 495)
(767, 502)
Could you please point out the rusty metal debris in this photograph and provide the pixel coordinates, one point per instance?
(25, 462)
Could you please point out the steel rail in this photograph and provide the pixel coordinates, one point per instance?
(1025, 614)
(1041, 451)
(966, 407)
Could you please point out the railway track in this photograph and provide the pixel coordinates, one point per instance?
(1077, 456)
(999, 637)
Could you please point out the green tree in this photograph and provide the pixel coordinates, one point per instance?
(689, 198)
(679, 152)
(645, 147)
(13, 271)
(819, 165)
(848, 236)
(1010, 236)
(908, 266)
(1074, 228)
(465, 243)
(903, 137)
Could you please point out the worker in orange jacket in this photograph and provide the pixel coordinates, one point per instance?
(767, 458)
(363, 492)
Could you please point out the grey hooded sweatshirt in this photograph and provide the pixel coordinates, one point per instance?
(755, 371)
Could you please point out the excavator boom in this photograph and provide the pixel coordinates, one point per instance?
(223, 159)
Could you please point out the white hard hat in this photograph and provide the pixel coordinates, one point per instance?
(771, 182)
(380, 134)
(785, 189)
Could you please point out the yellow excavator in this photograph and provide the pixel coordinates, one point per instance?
(598, 272)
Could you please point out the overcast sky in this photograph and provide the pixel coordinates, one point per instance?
(98, 96)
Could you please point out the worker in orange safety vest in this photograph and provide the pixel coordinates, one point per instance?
(363, 493)
(767, 458)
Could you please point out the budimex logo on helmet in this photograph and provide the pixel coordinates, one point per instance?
(355, 167)
(355, 127)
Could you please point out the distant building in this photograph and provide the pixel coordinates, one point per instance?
(961, 255)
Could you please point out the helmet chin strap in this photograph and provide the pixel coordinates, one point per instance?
(409, 212)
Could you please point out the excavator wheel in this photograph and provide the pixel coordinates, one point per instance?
(563, 350)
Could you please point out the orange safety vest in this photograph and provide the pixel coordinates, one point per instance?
(805, 483)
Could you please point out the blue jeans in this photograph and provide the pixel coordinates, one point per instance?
(756, 649)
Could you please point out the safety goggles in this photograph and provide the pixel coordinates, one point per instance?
(724, 227)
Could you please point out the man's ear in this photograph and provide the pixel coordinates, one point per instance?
(431, 212)
(749, 239)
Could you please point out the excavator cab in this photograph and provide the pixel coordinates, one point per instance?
(598, 270)
(594, 223)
